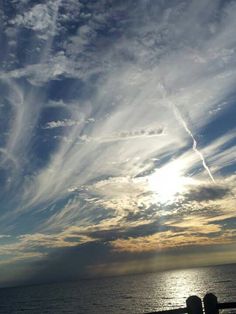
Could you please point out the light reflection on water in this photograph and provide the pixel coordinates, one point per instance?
(181, 284)
(174, 287)
(128, 294)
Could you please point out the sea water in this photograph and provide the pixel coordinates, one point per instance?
(127, 294)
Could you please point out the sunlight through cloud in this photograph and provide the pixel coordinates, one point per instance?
(169, 182)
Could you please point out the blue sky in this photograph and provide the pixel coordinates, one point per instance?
(117, 137)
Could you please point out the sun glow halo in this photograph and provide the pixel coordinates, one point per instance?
(168, 182)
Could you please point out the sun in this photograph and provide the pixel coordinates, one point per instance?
(168, 182)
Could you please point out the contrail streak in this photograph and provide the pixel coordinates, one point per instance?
(184, 124)
(195, 149)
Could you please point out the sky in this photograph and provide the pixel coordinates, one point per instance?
(117, 137)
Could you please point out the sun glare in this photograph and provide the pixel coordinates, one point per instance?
(168, 182)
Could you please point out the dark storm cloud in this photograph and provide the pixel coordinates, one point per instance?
(81, 262)
(69, 263)
(143, 213)
(228, 223)
(207, 193)
(75, 262)
(134, 232)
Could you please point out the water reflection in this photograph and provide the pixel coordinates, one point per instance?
(174, 287)
(128, 294)
(179, 285)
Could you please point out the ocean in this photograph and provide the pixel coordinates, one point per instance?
(127, 294)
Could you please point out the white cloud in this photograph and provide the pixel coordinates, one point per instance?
(40, 18)
(61, 123)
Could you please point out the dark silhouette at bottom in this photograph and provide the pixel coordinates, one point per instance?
(194, 305)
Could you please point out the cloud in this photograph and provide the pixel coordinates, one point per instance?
(40, 18)
(207, 193)
(77, 260)
(30, 246)
(62, 123)
(51, 68)
(140, 133)
(125, 232)
(227, 223)
(99, 259)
